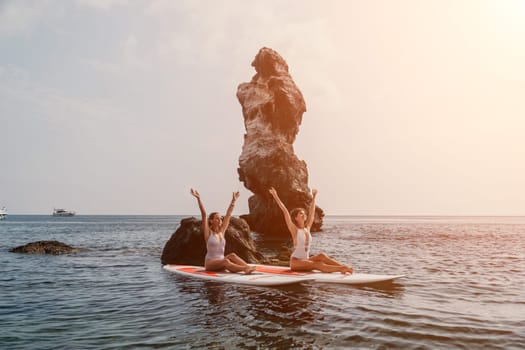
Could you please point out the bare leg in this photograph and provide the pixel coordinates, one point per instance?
(309, 265)
(234, 258)
(214, 265)
(326, 259)
(322, 257)
(233, 267)
(220, 264)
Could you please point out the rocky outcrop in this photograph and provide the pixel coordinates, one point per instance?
(47, 247)
(272, 106)
(186, 245)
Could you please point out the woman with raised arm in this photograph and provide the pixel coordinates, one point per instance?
(299, 225)
(214, 228)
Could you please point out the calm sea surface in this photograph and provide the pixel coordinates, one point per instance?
(465, 289)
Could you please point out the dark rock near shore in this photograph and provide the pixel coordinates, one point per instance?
(282, 258)
(272, 107)
(47, 247)
(186, 245)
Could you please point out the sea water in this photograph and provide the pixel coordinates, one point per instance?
(465, 288)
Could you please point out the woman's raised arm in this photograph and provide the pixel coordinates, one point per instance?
(205, 226)
(311, 211)
(226, 220)
(286, 213)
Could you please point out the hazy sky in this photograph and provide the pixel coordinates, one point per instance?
(119, 107)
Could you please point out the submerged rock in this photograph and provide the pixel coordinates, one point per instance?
(46, 247)
(186, 245)
(272, 106)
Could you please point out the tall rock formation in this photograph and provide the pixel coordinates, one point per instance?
(273, 108)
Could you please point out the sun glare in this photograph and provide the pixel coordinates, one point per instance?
(510, 16)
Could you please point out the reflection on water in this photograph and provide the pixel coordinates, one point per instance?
(257, 315)
(389, 289)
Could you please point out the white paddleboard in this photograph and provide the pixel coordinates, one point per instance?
(254, 279)
(334, 277)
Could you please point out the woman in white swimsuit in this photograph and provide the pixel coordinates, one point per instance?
(214, 228)
(300, 260)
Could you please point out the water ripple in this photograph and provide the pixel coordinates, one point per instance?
(463, 290)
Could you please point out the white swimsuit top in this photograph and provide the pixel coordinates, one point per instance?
(302, 251)
(214, 247)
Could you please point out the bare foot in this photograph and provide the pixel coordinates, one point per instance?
(347, 270)
(249, 269)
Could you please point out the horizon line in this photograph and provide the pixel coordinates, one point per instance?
(326, 215)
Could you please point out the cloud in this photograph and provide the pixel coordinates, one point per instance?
(230, 33)
(57, 107)
(102, 5)
(23, 16)
(102, 67)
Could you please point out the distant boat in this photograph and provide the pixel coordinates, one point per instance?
(3, 213)
(63, 212)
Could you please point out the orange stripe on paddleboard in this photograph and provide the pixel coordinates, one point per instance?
(198, 271)
(278, 271)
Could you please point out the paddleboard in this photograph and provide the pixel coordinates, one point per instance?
(334, 277)
(256, 278)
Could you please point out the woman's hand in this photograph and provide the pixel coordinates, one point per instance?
(314, 192)
(273, 192)
(195, 193)
(235, 196)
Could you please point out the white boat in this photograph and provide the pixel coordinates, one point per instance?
(3, 213)
(63, 212)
